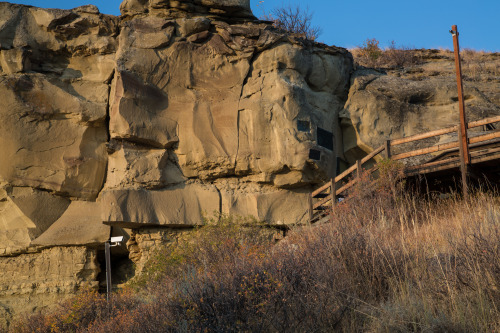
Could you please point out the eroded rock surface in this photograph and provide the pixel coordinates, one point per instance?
(175, 112)
(31, 282)
(55, 70)
(384, 106)
(198, 97)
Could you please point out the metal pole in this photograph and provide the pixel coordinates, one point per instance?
(107, 254)
(388, 149)
(462, 138)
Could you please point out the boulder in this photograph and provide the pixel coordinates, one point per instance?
(233, 101)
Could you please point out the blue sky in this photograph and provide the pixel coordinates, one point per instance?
(347, 23)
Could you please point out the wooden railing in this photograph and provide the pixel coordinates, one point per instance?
(322, 201)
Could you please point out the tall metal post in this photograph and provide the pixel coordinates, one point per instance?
(462, 138)
(107, 255)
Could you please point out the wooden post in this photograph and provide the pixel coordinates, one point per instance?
(107, 255)
(311, 215)
(333, 193)
(462, 134)
(388, 149)
(464, 169)
(358, 168)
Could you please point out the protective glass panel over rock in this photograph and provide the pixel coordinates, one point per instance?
(325, 138)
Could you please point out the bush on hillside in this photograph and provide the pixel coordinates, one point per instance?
(371, 55)
(293, 19)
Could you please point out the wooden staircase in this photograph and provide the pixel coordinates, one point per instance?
(480, 149)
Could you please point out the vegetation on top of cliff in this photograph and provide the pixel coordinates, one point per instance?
(390, 261)
(476, 65)
(294, 19)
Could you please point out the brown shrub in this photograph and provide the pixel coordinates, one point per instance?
(371, 55)
(390, 261)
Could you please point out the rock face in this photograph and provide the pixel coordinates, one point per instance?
(231, 9)
(175, 112)
(197, 98)
(32, 281)
(384, 106)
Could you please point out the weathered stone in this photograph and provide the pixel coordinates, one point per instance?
(182, 205)
(30, 283)
(382, 107)
(212, 108)
(189, 26)
(25, 214)
(14, 61)
(134, 166)
(81, 224)
(270, 139)
(231, 8)
(51, 138)
(264, 203)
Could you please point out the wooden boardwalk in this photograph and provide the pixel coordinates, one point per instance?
(481, 152)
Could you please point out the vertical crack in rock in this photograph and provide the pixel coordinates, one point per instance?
(220, 202)
(108, 131)
(245, 81)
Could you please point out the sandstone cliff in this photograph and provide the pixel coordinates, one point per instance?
(175, 111)
(145, 124)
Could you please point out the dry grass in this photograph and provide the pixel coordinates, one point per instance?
(477, 66)
(371, 55)
(480, 65)
(389, 262)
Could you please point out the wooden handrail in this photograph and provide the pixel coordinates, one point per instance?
(424, 151)
(346, 186)
(321, 189)
(421, 166)
(424, 135)
(322, 202)
(485, 137)
(482, 122)
(447, 163)
(363, 160)
(443, 131)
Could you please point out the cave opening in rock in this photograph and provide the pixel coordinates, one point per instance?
(122, 268)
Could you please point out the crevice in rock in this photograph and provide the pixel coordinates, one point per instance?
(245, 81)
(108, 131)
(220, 202)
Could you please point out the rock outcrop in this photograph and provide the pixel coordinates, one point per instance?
(392, 105)
(145, 125)
(174, 112)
